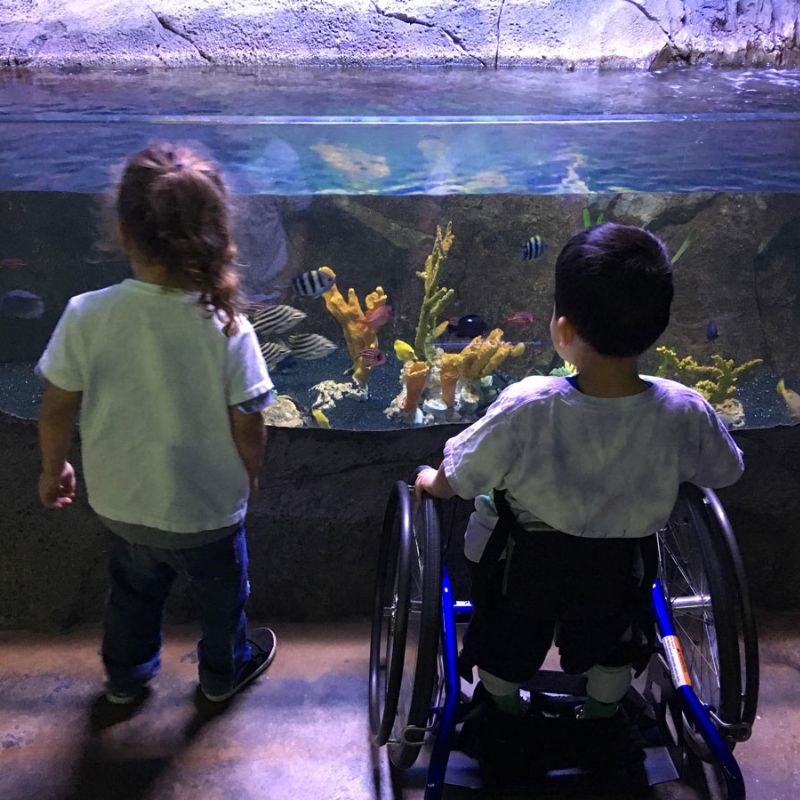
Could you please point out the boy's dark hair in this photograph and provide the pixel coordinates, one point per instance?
(614, 284)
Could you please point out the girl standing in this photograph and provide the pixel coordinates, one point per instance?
(169, 381)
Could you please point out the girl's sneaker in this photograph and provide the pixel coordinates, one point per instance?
(262, 644)
(125, 697)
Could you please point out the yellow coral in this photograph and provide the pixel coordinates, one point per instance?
(349, 315)
(484, 354)
(435, 297)
(790, 397)
(686, 370)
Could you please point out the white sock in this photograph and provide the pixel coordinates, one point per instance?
(608, 684)
(505, 694)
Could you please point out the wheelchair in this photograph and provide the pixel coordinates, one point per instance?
(699, 691)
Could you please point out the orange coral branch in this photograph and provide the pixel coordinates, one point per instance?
(415, 374)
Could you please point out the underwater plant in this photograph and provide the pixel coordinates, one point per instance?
(565, 370)
(681, 250)
(444, 385)
(722, 374)
(435, 297)
(587, 218)
(587, 223)
(358, 335)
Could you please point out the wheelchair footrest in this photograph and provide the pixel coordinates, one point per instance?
(550, 745)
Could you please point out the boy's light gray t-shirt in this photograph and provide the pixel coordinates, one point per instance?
(591, 466)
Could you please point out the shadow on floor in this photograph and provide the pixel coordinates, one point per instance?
(299, 732)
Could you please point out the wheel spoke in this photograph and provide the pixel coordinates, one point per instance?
(696, 641)
(682, 572)
(681, 564)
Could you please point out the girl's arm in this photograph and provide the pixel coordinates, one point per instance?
(56, 425)
(250, 436)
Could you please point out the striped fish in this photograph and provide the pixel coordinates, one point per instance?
(308, 346)
(276, 319)
(533, 248)
(274, 353)
(313, 283)
(372, 357)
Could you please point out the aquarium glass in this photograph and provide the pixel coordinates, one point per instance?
(356, 170)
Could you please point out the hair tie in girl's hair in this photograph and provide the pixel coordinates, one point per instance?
(178, 165)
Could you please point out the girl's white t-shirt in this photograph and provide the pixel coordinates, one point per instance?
(158, 376)
(590, 466)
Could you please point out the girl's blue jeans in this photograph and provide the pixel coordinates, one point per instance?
(141, 578)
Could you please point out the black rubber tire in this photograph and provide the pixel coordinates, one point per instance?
(390, 622)
(694, 560)
(420, 672)
(745, 619)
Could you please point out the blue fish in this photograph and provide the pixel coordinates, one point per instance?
(533, 248)
(468, 327)
(313, 283)
(711, 330)
(21, 304)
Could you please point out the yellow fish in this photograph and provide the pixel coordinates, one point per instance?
(790, 397)
(320, 418)
(404, 351)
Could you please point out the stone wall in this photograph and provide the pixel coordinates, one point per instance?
(486, 33)
(313, 528)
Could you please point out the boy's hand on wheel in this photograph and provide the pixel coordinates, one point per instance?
(424, 482)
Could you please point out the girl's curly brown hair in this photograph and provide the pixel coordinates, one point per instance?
(172, 209)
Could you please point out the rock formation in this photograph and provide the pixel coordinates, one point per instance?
(485, 33)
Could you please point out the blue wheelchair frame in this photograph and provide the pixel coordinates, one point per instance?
(695, 711)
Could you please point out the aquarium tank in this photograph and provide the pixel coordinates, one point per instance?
(397, 230)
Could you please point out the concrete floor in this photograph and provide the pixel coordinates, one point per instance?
(299, 732)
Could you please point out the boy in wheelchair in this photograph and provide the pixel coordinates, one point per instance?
(572, 477)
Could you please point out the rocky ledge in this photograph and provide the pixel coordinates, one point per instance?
(569, 34)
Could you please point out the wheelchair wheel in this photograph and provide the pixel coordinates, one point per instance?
(390, 614)
(708, 602)
(419, 678)
(745, 619)
(405, 626)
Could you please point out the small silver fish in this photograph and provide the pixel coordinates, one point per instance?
(274, 353)
(312, 283)
(276, 319)
(21, 304)
(308, 346)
